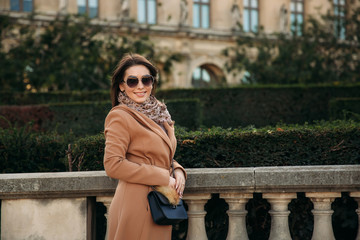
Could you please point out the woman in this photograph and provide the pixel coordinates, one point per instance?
(140, 144)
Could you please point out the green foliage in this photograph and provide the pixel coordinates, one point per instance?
(29, 98)
(87, 118)
(263, 105)
(68, 53)
(24, 151)
(317, 56)
(186, 112)
(84, 153)
(81, 118)
(325, 143)
(345, 108)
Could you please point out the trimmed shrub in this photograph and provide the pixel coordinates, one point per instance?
(29, 98)
(345, 108)
(87, 118)
(81, 118)
(263, 105)
(24, 151)
(227, 107)
(333, 143)
(186, 112)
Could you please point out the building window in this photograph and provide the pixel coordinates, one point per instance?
(147, 11)
(204, 77)
(88, 7)
(339, 14)
(201, 13)
(297, 16)
(251, 16)
(21, 5)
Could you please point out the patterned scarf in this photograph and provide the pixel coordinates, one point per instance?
(152, 108)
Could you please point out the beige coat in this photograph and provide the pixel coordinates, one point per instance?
(138, 153)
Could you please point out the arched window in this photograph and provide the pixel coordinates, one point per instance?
(203, 76)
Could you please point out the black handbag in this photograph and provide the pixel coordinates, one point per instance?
(163, 212)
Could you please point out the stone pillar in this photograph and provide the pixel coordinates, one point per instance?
(279, 214)
(356, 195)
(237, 214)
(106, 201)
(322, 214)
(196, 215)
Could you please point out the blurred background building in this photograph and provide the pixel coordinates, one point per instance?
(198, 29)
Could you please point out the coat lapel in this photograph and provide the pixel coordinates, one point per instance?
(150, 124)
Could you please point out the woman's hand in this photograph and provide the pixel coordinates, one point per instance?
(180, 181)
(172, 182)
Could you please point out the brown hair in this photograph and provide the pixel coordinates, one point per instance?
(127, 61)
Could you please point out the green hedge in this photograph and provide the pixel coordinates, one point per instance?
(322, 144)
(87, 118)
(345, 108)
(24, 151)
(29, 98)
(228, 107)
(80, 118)
(262, 106)
(186, 112)
(288, 145)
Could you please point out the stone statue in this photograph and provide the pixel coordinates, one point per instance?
(284, 21)
(124, 10)
(235, 15)
(63, 5)
(183, 13)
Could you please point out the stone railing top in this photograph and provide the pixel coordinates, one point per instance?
(340, 178)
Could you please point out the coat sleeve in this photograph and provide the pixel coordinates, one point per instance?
(178, 166)
(117, 140)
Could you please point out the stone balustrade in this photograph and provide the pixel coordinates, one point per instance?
(61, 205)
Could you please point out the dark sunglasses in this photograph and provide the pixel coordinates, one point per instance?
(147, 80)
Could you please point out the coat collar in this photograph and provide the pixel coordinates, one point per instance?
(148, 123)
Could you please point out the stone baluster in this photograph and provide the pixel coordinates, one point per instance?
(237, 214)
(196, 215)
(356, 195)
(279, 214)
(106, 201)
(322, 214)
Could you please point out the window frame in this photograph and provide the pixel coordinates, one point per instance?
(299, 27)
(87, 9)
(21, 6)
(146, 7)
(250, 8)
(200, 82)
(200, 3)
(339, 18)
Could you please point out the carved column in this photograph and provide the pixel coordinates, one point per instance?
(356, 195)
(279, 214)
(106, 201)
(322, 214)
(237, 214)
(196, 215)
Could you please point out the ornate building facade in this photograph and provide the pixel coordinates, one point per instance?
(198, 29)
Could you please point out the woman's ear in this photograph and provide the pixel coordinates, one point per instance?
(121, 86)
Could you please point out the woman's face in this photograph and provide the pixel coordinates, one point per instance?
(140, 92)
